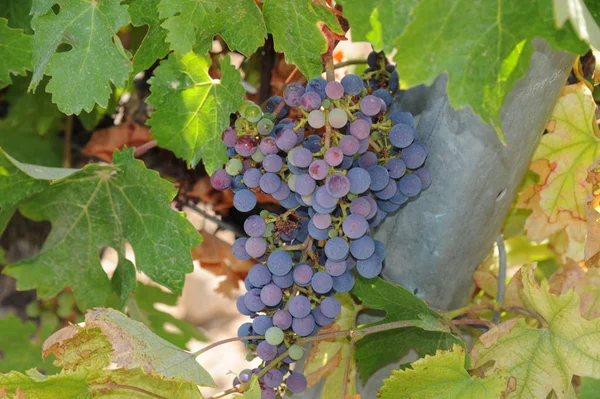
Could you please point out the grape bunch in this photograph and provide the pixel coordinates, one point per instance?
(338, 162)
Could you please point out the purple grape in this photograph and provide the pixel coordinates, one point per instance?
(360, 128)
(241, 306)
(245, 330)
(410, 185)
(322, 220)
(387, 207)
(310, 101)
(330, 307)
(261, 324)
(359, 179)
(296, 383)
(252, 300)
(414, 155)
(255, 226)
(282, 319)
(367, 160)
(355, 226)
(266, 351)
(363, 146)
(272, 104)
(220, 180)
(316, 233)
(322, 282)
(362, 248)
(373, 208)
(299, 306)
(271, 295)
(349, 145)
(305, 185)
(352, 84)
(379, 177)
(245, 145)
(286, 139)
(239, 249)
(292, 94)
(320, 318)
(318, 86)
(346, 163)
(259, 275)
(401, 135)
(323, 198)
(337, 185)
(269, 183)
(268, 145)
(343, 283)
(285, 281)
(335, 268)
(334, 90)
(360, 206)
(252, 178)
(370, 105)
(334, 156)
(336, 249)
(396, 168)
(303, 326)
(273, 378)
(399, 198)
(229, 137)
(272, 163)
(289, 202)
(398, 116)
(279, 262)
(244, 200)
(370, 267)
(282, 192)
(300, 157)
(394, 81)
(303, 274)
(425, 176)
(385, 96)
(318, 169)
(388, 191)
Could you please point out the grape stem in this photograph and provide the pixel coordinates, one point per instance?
(350, 62)
(226, 341)
(141, 150)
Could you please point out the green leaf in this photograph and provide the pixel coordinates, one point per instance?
(29, 130)
(124, 280)
(192, 109)
(441, 376)
(154, 46)
(21, 344)
(378, 21)
(80, 77)
(103, 206)
(253, 391)
(484, 47)
(75, 347)
(15, 50)
(17, 13)
(296, 29)
(576, 12)
(543, 359)
(376, 350)
(146, 298)
(35, 385)
(589, 388)
(90, 120)
(134, 345)
(192, 24)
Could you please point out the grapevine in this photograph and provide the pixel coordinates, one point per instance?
(339, 159)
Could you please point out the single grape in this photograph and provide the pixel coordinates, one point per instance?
(267, 393)
(272, 378)
(370, 105)
(310, 101)
(335, 268)
(323, 198)
(396, 168)
(305, 185)
(220, 180)
(388, 191)
(300, 157)
(334, 156)
(269, 183)
(282, 319)
(425, 176)
(362, 248)
(259, 275)
(271, 295)
(274, 336)
(303, 326)
(338, 118)
(360, 206)
(266, 351)
(398, 116)
(373, 207)
(401, 135)
(245, 330)
(289, 202)
(241, 306)
(292, 94)
(268, 145)
(286, 139)
(299, 306)
(282, 192)
(264, 126)
(318, 169)
(349, 145)
(244, 200)
(399, 198)
(261, 324)
(379, 177)
(355, 226)
(255, 226)
(322, 220)
(316, 233)
(317, 85)
(337, 185)
(233, 167)
(343, 283)
(331, 307)
(322, 282)
(336, 249)
(256, 246)
(229, 137)
(296, 383)
(252, 300)
(285, 281)
(303, 273)
(272, 163)
(272, 104)
(367, 159)
(385, 96)
(334, 90)
(387, 207)
(239, 249)
(236, 184)
(253, 113)
(410, 185)
(360, 128)
(279, 262)
(320, 318)
(359, 179)
(316, 119)
(370, 267)
(296, 352)
(352, 84)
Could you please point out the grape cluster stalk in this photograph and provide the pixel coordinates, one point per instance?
(339, 162)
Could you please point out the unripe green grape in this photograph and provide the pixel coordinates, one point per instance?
(243, 106)
(332, 233)
(375, 135)
(265, 126)
(269, 230)
(274, 336)
(326, 103)
(233, 167)
(253, 113)
(296, 352)
(239, 123)
(258, 156)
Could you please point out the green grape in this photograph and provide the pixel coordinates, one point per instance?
(265, 126)
(239, 123)
(269, 230)
(375, 136)
(332, 233)
(326, 103)
(243, 106)
(295, 352)
(274, 336)
(253, 113)
(233, 167)
(257, 156)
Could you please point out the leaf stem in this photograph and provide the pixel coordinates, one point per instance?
(226, 341)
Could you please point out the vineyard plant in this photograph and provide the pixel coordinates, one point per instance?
(293, 126)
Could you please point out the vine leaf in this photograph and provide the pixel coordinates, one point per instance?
(484, 50)
(17, 13)
(376, 350)
(442, 375)
(561, 161)
(21, 343)
(303, 21)
(192, 109)
(544, 359)
(16, 52)
(328, 357)
(378, 21)
(103, 206)
(576, 12)
(132, 345)
(253, 391)
(80, 76)
(585, 282)
(154, 45)
(192, 24)
(589, 388)
(29, 130)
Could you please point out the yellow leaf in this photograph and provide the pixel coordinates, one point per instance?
(585, 282)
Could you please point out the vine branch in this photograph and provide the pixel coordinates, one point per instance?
(226, 341)
(350, 62)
